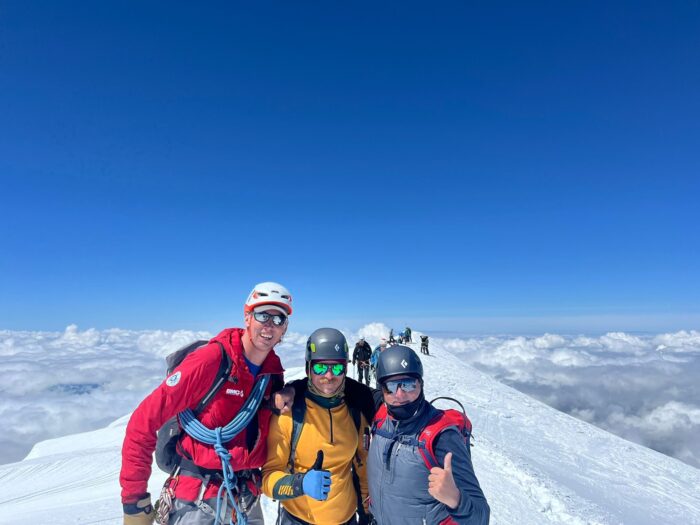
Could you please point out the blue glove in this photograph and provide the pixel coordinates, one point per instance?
(317, 482)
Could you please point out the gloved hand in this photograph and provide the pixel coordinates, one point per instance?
(139, 513)
(317, 482)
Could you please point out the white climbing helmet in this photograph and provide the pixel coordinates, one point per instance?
(269, 293)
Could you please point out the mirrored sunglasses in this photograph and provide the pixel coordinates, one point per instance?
(407, 385)
(264, 317)
(337, 369)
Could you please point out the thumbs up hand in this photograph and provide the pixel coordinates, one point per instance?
(317, 482)
(441, 484)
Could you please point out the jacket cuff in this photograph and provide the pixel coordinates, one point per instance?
(288, 487)
(142, 504)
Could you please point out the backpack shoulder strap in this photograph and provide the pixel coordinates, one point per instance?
(298, 413)
(222, 374)
(427, 437)
(220, 380)
(379, 418)
(445, 419)
(174, 359)
(359, 400)
(355, 413)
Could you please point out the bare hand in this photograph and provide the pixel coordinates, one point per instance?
(441, 484)
(283, 399)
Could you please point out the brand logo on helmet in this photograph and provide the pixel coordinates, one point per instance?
(337, 347)
(404, 363)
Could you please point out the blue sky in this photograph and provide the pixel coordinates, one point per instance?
(472, 167)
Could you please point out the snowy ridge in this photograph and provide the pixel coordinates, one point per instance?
(535, 465)
(538, 465)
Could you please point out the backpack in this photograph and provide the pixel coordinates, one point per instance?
(167, 455)
(446, 418)
(353, 395)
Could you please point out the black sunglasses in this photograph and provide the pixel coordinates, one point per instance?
(264, 317)
(407, 385)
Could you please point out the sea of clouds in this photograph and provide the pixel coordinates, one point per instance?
(643, 388)
(58, 383)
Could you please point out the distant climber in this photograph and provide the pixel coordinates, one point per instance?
(407, 335)
(424, 345)
(360, 358)
(375, 356)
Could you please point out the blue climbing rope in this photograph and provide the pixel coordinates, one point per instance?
(220, 435)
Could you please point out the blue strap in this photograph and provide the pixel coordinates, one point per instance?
(220, 435)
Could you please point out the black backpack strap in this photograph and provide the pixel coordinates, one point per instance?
(220, 380)
(298, 413)
(169, 451)
(359, 400)
(356, 414)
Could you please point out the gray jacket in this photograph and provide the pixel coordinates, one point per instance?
(398, 476)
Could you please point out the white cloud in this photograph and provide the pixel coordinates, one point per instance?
(643, 388)
(682, 342)
(57, 383)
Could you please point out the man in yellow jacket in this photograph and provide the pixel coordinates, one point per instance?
(316, 461)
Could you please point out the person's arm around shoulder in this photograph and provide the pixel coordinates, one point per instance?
(282, 396)
(468, 505)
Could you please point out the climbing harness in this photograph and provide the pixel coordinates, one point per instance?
(220, 435)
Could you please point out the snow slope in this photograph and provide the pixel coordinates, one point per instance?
(535, 465)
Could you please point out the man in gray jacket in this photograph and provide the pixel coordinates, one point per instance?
(403, 490)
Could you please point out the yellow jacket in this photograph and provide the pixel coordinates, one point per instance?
(334, 432)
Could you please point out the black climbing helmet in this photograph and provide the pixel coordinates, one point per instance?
(398, 360)
(326, 343)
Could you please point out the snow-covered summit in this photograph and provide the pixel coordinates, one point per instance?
(536, 465)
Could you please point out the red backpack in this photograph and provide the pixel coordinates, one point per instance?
(446, 418)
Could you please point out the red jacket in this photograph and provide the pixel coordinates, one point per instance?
(197, 373)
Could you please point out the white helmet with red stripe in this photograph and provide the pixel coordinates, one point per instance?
(269, 293)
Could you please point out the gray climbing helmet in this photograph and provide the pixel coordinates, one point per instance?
(326, 343)
(398, 360)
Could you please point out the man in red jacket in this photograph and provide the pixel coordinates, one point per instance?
(196, 486)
